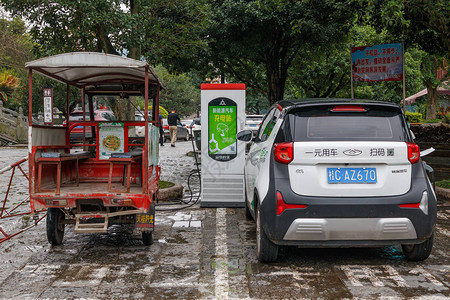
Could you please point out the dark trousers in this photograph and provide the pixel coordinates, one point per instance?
(161, 136)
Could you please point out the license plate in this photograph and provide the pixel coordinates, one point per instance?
(352, 175)
(145, 221)
(253, 125)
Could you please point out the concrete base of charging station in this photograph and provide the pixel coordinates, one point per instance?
(222, 204)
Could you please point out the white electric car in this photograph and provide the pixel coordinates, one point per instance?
(338, 173)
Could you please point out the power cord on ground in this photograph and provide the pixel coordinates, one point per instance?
(186, 204)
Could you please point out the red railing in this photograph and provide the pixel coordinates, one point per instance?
(10, 213)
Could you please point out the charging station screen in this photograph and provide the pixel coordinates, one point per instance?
(222, 142)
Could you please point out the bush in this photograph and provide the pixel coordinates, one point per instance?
(162, 111)
(443, 184)
(413, 117)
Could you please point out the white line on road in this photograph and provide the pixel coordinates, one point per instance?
(221, 272)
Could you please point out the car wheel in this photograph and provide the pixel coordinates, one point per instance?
(55, 226)
(419, 252)
(266, 251)
(147, 238)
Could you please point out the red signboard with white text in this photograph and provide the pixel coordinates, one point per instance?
(377, 63)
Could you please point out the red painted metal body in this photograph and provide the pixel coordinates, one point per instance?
(11, 213)
(86, 181)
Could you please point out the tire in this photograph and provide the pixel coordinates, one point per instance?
(248, 214)
(419, 252)
(266, 251)
(55, 226)
(147, 238)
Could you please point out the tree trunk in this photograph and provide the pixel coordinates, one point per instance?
(276, 73)
(431, 100)
(134, 51)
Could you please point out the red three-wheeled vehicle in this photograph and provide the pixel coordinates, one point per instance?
(108, 176)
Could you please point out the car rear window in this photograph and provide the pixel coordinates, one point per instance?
(321, 124)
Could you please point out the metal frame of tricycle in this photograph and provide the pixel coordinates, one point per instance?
(94, 74)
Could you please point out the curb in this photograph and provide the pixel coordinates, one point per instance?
(174, 192)
(443, 195)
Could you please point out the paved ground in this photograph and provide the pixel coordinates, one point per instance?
(207, 253)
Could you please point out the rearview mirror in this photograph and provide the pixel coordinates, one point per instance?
(244, 135)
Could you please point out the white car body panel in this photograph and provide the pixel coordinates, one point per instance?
(258, 166)
(308, 170)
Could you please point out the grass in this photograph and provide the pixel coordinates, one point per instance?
(165, 184)
(443, 183)
(433, 121)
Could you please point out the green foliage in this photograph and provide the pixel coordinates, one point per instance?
(159, 30)
(432, 121)
(413, 117)
(423, 24)
(445, 183)
(162, 111)
(255, 42)
(15, 44)
(8, 83)
(179, 92)
(165, 184)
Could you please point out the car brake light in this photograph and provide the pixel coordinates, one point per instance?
(423, 204)
(281, 205)
(283, 152)
(413, 152)
(410, 205)
(348, 108)
(166, 127)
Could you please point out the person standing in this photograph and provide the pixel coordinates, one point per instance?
(173, 119)
(161, 131)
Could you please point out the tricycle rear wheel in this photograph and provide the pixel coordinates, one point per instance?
(55, 226)
(147, 238)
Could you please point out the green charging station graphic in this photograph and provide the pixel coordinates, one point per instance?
(222, 142)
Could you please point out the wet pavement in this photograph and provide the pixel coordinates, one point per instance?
(205, 253)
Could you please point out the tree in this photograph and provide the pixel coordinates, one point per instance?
(257, 41)
(179, 92)
(423, 24)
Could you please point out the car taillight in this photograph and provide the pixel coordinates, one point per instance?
(166, 127)
(283, 152)
(413, 152)
(281, 205)
(348, 108)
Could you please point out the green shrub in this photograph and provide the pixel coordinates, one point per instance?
(432, 121)
(162, 111)
(443, 183)
(413, 117)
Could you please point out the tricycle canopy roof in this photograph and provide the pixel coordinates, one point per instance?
(94, 69)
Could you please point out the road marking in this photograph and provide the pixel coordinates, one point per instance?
(357, 273)
(427, 275)
(380, 276)
(221, 272)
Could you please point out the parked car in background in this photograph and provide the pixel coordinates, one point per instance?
(187, 124)
(76, 135)
(140, 130)
(182, 131)
(252, 122)
(338, 173)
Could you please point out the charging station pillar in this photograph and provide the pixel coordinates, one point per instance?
(223, 156)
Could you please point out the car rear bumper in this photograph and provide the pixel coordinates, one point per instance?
(350, 221)
(326, 229)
